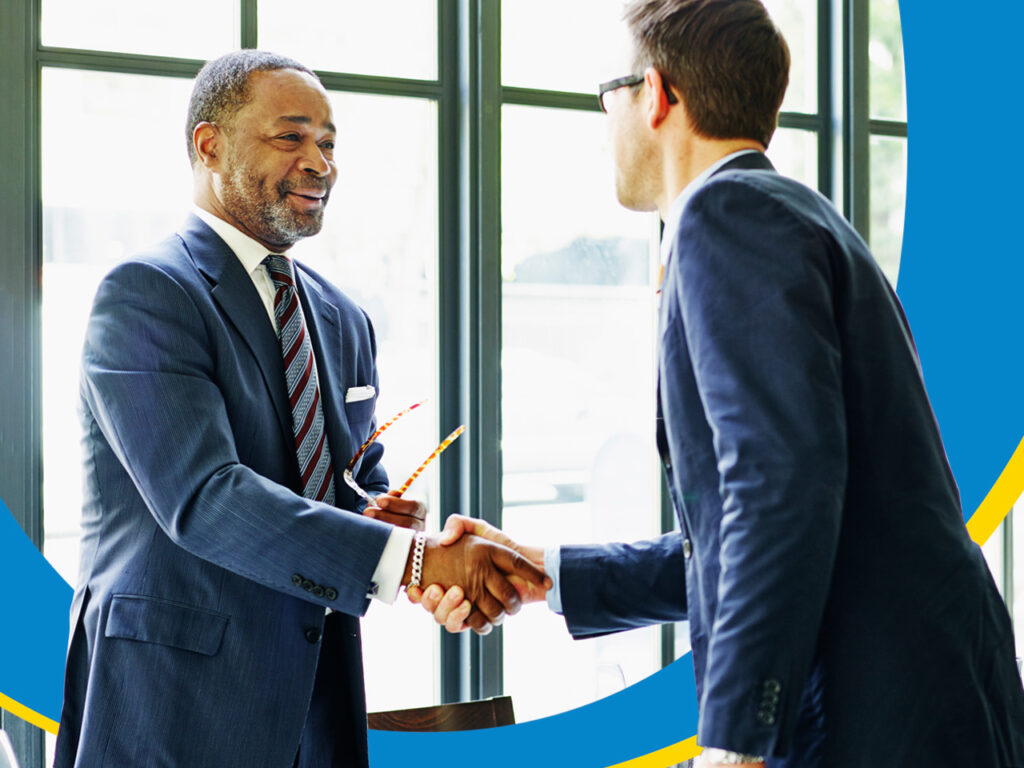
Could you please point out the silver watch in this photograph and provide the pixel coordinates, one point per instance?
(725, 757)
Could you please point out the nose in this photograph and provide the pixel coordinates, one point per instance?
(315, 163)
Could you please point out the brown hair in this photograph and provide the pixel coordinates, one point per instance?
(726, 58)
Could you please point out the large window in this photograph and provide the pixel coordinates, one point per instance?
(475, 220)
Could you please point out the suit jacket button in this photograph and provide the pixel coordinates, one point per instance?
(297, 579)
(307, 585)
(313, 635)
(687, 548)
(318, 591)
(331, 593)
(374, 588)
(766, 717)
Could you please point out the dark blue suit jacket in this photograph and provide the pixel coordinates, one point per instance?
(198, 629)
(839, 613)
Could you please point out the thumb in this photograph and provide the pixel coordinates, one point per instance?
(454, 527)
(515, 564)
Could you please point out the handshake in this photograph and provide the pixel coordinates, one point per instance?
(473, 573)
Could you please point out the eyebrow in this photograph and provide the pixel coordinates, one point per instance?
(304, 120)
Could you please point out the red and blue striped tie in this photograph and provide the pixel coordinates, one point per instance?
(300, 375)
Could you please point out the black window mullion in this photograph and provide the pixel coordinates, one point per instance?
(826, 175)
(21, 479)
(856, 123)
(249, 33)
(453, 307)
(484, 187)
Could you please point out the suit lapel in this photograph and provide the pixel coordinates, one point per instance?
(323, 320)
(236, 295)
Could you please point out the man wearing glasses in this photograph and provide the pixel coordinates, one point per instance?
(224, 390)
(839, 613)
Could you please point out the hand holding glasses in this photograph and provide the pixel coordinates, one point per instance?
(350, 479)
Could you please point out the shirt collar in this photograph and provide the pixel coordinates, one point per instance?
(248, 251)
(675, 212)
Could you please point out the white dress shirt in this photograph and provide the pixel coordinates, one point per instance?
(387, 578)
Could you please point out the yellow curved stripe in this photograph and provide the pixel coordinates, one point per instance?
(27, 714)
(663, 758)
(1000, 499)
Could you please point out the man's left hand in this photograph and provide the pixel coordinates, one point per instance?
(393, 509)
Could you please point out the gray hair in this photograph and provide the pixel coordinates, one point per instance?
(222, 87)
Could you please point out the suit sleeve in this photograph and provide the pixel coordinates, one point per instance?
(147, 379)
(754, 286)
(614, 587)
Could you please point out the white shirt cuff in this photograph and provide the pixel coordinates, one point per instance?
(387, 579)
(552, 563)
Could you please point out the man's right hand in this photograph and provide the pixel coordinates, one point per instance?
(451, 609)
(484, 572)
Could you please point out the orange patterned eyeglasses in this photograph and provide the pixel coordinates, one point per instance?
(351, 481)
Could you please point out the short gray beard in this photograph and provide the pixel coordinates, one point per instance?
(273, 221)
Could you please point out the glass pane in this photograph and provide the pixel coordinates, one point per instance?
(93, 216)
(798, 20)
(197, 29)
(399, 40)
(794, 153)
(579, 44)
(379, 245)
(888, 201)
(578, 379)
(885, 53)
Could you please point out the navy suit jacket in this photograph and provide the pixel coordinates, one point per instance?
(198, 625)
(839, 614)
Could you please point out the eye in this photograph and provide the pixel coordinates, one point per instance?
(329, 144)
(290, 137)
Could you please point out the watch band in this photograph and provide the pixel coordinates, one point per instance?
(725, 757)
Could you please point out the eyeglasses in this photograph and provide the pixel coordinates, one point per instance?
(622, 82)
(351, 481)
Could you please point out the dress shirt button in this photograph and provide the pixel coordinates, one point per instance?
(666, 462)
(687, 548)
(313, 635)
(318, 591)
(331, 593)
(297, 579)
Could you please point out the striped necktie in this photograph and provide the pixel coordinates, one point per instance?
(300, 375)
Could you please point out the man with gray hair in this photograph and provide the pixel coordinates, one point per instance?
(225, 389)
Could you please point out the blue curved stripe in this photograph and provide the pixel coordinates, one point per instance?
(36, 606)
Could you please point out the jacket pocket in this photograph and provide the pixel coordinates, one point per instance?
(165, 622)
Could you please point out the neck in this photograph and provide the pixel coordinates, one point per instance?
(690, 160)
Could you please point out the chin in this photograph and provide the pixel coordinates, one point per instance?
(634, 202)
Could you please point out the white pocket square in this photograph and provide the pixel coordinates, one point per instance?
(355, 394)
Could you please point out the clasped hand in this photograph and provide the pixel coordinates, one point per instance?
(476, 574)
(456, 610)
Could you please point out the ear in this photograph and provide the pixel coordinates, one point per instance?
(657, 101)
(207, 140)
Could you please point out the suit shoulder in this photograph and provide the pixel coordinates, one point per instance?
(168, 257)
(767, 195)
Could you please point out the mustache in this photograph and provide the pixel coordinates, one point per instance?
(290, 185)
